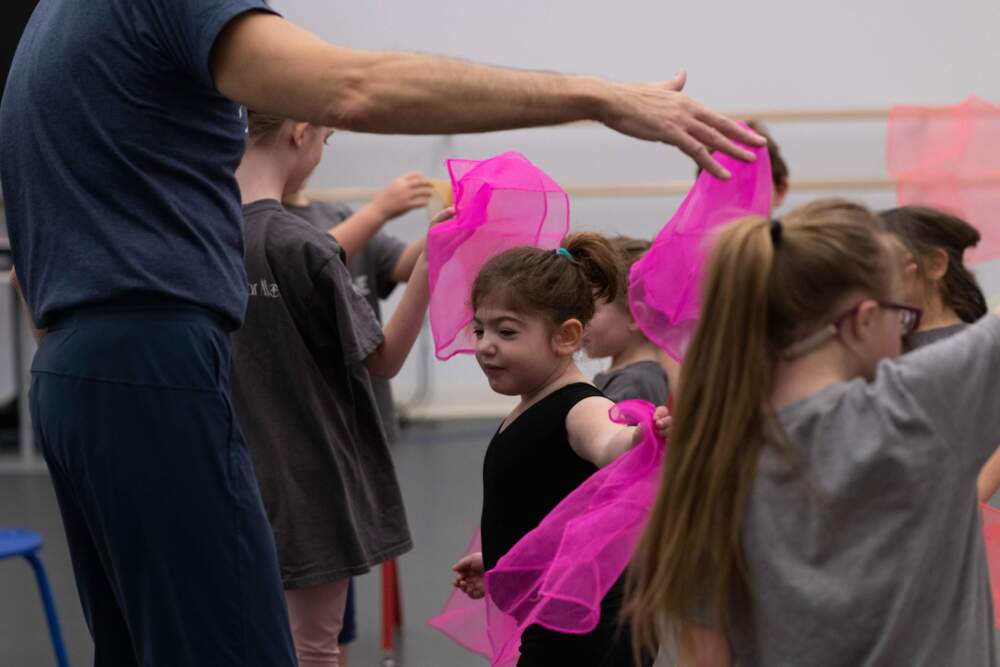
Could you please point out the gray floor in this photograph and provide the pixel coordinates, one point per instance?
(439, 469)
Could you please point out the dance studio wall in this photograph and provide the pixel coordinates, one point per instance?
(774, 54)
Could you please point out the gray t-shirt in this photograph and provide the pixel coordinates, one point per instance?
(864, 541)
(644, 380)
(305, 402)
(922, 338)
(372, 271)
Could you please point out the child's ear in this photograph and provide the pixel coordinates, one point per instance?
(299, 133)
(862, 321)
(937, 264)
(568, 337)
(633, 326)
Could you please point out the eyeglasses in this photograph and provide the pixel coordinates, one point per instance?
(909, 320)
(909, 316)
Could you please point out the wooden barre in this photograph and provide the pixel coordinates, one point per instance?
(665, 188)
(833, 114)
(796, 115)
(813, 115)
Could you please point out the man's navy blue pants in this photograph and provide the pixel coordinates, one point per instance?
(174, 558)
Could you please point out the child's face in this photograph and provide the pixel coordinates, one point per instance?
(913, 285)
(879, 332)
(610, 331)
(516, 351)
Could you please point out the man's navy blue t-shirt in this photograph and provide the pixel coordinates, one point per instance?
(117, 157)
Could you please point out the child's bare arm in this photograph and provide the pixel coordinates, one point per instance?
(702, 646)
(989, 478)
(594, 437)
(406, 193)
(403, 327)
(405, 324)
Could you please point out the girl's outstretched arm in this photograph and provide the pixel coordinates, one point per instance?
(595, 438)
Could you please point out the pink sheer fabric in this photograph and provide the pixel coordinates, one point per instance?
(991, 535)
(948, 158)
(664, 293)
(500, 203)
(557, 575)
(463, 620)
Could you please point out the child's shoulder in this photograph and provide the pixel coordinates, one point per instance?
(287, 234)
(645, 369)
(645, 380)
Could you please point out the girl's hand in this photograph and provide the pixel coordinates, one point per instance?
(469, 575)
(406, 193)
(663, 422)
(443, 215)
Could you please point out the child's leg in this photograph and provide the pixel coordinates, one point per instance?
(349, 631)
(317, 615)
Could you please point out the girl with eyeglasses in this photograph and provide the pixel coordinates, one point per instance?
(816, 505)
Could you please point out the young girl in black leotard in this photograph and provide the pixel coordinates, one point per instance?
(531, 307)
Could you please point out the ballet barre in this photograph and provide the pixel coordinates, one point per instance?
(807, 115)
(835, 114)
(671, 188)
(660, 189)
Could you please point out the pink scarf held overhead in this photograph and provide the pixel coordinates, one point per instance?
(664, 285)
(500, 203)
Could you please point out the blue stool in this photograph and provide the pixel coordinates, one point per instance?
(25, 544)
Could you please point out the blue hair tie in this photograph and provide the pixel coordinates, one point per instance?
(562, 252)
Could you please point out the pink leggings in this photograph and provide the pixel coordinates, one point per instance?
(317, 615)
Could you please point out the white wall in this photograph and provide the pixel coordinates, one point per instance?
(740, 56)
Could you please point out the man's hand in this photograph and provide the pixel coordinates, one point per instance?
(469, 575)
(404, 194)
(661, 112)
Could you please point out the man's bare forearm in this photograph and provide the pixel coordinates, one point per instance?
(275, 67)
(421, 94)
(385, 92)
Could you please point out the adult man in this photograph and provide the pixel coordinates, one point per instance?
(121, 126)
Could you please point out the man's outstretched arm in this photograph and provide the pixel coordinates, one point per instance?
(272, 66)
